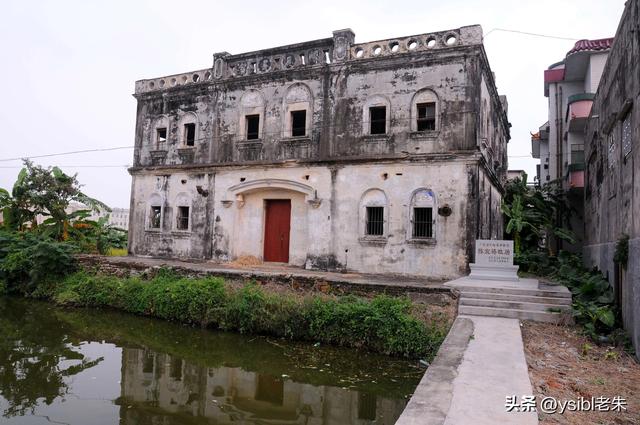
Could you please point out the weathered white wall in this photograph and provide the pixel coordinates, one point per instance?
(331, 232)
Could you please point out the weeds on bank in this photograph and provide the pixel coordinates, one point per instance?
(384, 324)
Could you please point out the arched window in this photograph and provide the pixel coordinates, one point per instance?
(374, 214)
(155, 212)
(425, 111)
(183, 212)
(188, 128)
(251, 121)
(423, 214)
(298, 111)
(376, 115)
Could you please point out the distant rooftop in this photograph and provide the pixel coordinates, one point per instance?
(591, 45)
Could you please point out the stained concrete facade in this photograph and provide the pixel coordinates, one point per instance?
(223, 141)
(612, 180)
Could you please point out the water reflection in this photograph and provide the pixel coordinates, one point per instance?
(157, 387)
(101, 367)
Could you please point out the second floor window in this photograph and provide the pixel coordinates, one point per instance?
(378, 120)
(161, 135)
(183, 218)
(375, 221)
(298, 123)
(253, 127)
(154, 219)
(189, 134)
(426, 116)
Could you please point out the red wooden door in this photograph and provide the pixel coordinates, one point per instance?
(276, 230)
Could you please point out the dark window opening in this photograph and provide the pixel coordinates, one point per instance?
(147, 363)
(183, 218)
(175, 370)
(189, 134)
(426, 116)
(161, 135)
(378, 119)
(270, 389)
(154, 222)
(298, 123)
(375, 221)
(422, 222)
(367, 406)
(253, 127)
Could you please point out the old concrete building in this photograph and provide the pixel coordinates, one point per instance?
(570, 86)
(386, 157)
(612, 180)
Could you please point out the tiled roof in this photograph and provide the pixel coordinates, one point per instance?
(591, 45)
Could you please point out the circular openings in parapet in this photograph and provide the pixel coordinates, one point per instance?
(431, 42)
(151, 84)
(450, 40)
(394, 46)
(376, 50)
(359, 52)
(184, 79)
(161, 82)
(412, 44)
(174, 81)
(195, 78)
(207, 75)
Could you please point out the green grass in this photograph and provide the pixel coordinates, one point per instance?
(117, 252)
(383, 324)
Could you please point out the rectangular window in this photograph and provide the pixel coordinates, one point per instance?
(154, 221)
(298, 123)
(175, 370)
(367, 404)
(253, 127)
(426, 116)
(375, 221)
(378, 119)
(183, 218)
(577, 153)
(422, 222)
(189, 134)
(161, 135)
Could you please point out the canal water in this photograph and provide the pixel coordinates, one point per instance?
(86, 367)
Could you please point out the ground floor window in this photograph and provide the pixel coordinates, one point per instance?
(183, 218)
(422, 222)
(375, 221)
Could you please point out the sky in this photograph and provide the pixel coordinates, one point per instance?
(68, 67)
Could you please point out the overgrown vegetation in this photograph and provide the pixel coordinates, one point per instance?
(383, 324)
(531, 217)
(40, 232)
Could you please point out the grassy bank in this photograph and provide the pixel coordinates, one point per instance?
(382, 324)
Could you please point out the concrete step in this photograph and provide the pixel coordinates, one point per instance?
(516, 298)
(516, 291)
(538, 316)
(513, 305)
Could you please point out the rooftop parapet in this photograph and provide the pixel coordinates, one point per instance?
(317, 53)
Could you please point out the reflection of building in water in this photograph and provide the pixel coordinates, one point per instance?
(159, 387)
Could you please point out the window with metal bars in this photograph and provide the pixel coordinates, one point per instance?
(253, 127)
(375, 221)
(422, 222)
(298, 123)
(378, 120)
(183, 218)
(426, 116)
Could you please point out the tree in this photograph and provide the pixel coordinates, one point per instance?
(47, 192)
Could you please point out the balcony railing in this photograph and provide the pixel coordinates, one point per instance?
(578, 110)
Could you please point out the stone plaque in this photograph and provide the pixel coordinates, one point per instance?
(494, 252)
(494, 261)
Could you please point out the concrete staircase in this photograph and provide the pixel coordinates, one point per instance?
(542, 303)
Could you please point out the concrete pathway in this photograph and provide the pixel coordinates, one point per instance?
(493, 367)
